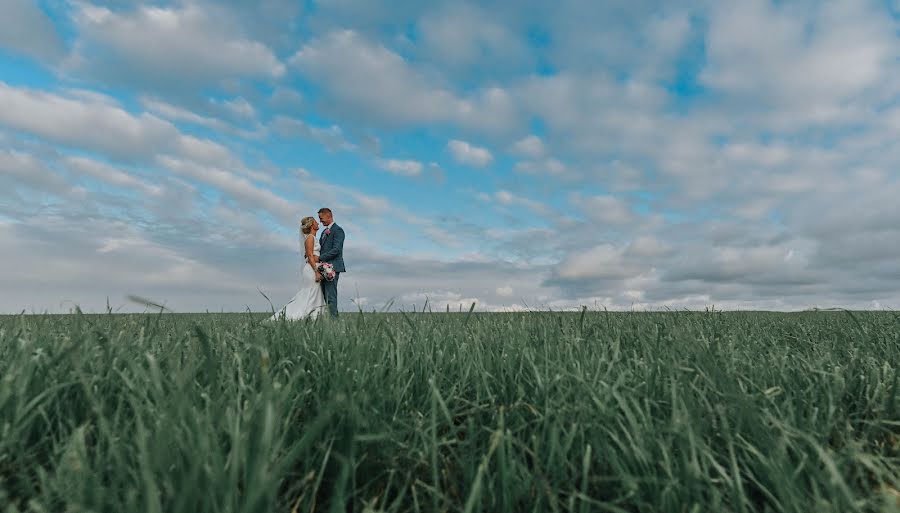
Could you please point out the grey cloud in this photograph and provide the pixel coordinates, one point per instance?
(52, 264)
(239, 188)
(25, 28)
(605, 209)
(111, 175)
(810, 59)
(22, 169)
(860, 249)
(373, 84)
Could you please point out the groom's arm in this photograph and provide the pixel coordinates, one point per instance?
(337, 247)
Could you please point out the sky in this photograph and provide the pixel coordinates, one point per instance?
(520, 155)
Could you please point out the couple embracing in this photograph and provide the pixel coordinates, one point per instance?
(323, 265)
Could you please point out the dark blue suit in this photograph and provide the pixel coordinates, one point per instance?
(332, 251)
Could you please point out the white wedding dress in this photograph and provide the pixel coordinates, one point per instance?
(309, 302)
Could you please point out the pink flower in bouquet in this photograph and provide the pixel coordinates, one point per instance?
(327, 271)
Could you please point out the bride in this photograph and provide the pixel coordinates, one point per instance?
(309, 302)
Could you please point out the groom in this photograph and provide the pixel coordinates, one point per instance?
(332, 251)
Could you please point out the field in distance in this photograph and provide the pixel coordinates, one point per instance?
(591, 411)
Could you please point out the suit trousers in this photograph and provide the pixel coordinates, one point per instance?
(329, 289)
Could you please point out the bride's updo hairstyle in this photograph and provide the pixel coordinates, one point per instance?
(306, 224)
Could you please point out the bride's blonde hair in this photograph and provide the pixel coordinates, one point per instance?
(306, 224)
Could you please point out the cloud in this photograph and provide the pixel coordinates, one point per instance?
(59, 263)
(507, 198)
(178, 114)
(331, 137)
(90, 125)
(470, 155)
(604, 209)
(268, 21)
(97, 123)
(25, 28)
(372, 79)
(549, 166)
(18, 169)
(456, 284)
(756, 265)
(370, 82)
(531, 147)
(592, 113)
(111, 175)
(466, 38)
(605, 261)
(638, 37)
(168, 49)
(401, 167)
(810, 64)
(243, 190)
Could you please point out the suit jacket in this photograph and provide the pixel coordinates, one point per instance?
(332, 248)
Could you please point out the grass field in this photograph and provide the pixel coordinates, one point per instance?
(668, 412)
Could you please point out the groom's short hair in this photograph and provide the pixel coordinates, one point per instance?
(324, 210)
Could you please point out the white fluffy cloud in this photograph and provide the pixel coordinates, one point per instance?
(93, 125)
(373, 80)
(530, 146)
(168, 48)
(470, 155)
(402, 167)
(98, 123)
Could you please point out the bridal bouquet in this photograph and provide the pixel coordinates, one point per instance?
(327, 271)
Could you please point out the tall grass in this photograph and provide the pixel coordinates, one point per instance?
(674, 412)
